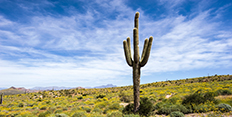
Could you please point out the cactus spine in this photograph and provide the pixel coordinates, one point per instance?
(137, 63)
(1, 98)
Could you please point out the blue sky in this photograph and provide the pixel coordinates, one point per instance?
(80, 42)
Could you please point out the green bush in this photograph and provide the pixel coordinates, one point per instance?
(125, 97)
(176, 114)
(167, 109)
(128, 109)
(43, 107)
(114, 106)
(44, 114)
(100, 96)
(164, 110)
(131, 115)
(80, 97)
(79, 114)
(145, 108)
(223, 92)
(173, 100)
(200, 109)
(199, 98)
(180, 108)
(65, 109)
(59, 111)
(21, 105)
(224, 107)
(86, 108)
(115, 114)
(61, 115)
(97, 110)
(158, 105)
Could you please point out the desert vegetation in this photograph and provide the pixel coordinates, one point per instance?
(203, 96)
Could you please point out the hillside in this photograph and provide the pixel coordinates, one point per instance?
(166, 96)
(13, 90)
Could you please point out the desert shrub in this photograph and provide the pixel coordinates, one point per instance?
(59, 107)
(128, 109)
(199, 98)
(97, 110)
(80, 97)
(52, 109)
(167, 109)
(224, 107)
(61, 115)
(106, 111)
(35, 112)
(125, 97)
(131, 115)
(44, 114)
(114, 106)
(101, 105)
(164, 110)
(43, 107)
(176, 114)
(158, 105)
(223, 92)
(200, 108)
(115, 114)
(189, 107)
(86, 108)
(100, 96)
(76, 108)
(65, 109)
(79, 114)
(145, 108)
(59, 111)
(20, 105)
(10, 105)
(39, 100)
(85, 94)
(180, 108)
(173, 100)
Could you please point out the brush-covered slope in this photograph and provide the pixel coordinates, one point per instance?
(104, 102)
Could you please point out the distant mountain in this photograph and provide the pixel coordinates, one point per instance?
(14, 90)
(106, 86)
(50, 88)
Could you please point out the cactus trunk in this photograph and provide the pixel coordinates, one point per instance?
(136, 82)
(137, 63)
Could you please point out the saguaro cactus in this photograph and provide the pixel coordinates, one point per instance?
(137, 63)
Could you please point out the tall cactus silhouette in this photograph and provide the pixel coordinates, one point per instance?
(137, 63)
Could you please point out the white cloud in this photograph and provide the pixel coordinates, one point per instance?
(191, 44)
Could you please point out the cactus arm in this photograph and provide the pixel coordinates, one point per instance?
(129, 45)
(147, 53)
(144, 49)
(127, 53)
